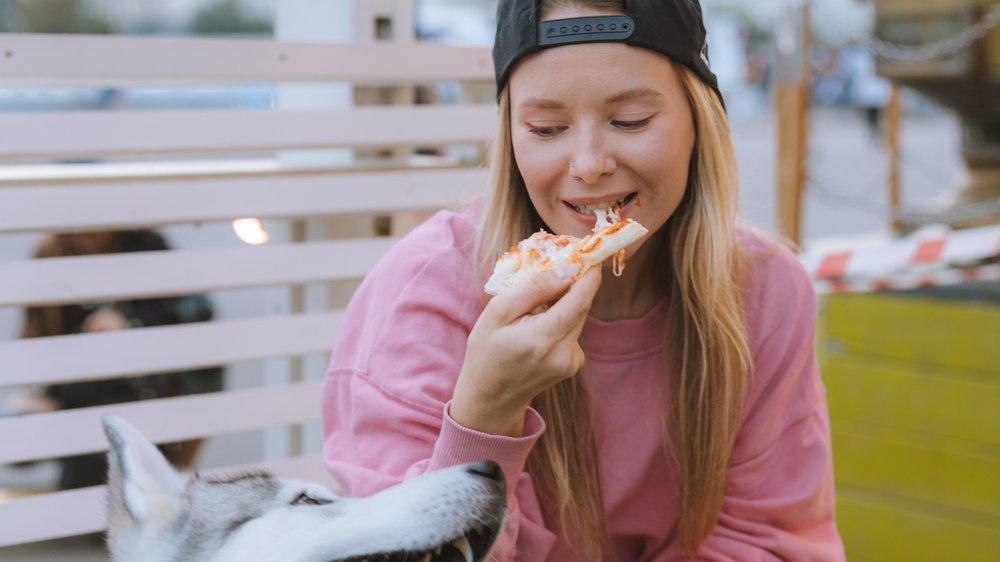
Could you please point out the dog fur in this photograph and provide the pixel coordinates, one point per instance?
(157, 515)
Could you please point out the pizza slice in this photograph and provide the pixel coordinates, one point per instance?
(548, 252)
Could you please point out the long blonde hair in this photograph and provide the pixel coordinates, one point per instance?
(711, 357)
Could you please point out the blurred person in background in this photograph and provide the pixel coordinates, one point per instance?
(863, 88)
(672, 413)
(44, 321)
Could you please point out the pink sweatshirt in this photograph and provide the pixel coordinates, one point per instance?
(400, 350)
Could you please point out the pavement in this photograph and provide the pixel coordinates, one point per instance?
(847, 191)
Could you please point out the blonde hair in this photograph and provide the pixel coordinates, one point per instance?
(713, 357)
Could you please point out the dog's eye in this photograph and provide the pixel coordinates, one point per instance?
(306, 499)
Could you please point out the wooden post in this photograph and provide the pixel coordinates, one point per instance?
(891, 121)
(792, 112)
(312, 21)
(388, 20)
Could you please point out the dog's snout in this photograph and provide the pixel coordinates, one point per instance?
(487, 469)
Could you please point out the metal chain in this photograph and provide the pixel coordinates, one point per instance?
(932, 214)
(821, 189)
(950, 215)
(914, 216)
(938, 49)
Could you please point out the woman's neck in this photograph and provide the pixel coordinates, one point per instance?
(638, 290)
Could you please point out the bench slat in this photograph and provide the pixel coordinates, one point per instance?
(103, 355)
(77, 431)
(118, 60)
(154, 203)
(92, 134)
(77, 512)
(82, 279)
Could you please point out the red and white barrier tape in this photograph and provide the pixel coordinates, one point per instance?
(929, 257)
(911, 280)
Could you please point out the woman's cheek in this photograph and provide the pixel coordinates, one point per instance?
(537, 164)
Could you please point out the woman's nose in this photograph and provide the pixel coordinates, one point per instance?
(591, 159)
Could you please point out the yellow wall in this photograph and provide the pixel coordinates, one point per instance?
(913, 386)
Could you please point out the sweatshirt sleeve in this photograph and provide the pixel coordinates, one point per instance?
(779, 502)
(385, 399)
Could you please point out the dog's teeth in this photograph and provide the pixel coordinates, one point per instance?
(464, 547)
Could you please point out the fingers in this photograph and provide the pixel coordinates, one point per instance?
(566, 317)
(537, 290)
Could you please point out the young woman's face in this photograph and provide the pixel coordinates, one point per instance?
(599, 123)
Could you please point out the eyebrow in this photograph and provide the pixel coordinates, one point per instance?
(540, 103)
(627, 95)
(631, 95)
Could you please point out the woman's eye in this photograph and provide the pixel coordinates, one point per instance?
(632, 125)
(306, 499)
(545, 132)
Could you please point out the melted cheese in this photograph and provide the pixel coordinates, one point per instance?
(606, 218)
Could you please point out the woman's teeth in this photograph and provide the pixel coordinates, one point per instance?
(589, 209)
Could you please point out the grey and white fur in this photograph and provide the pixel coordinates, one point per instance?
(157, 515)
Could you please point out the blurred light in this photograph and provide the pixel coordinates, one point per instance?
(250, 231)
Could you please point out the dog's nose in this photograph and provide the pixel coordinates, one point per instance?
(488, 469)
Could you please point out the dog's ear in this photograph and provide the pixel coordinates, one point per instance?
(140, 480)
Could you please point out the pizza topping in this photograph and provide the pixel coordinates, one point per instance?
(549, 252)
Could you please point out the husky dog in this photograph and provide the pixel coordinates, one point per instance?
(156, 515)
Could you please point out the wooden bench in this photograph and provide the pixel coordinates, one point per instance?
(209, 167)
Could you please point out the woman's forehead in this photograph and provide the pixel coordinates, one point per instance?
(596, 71)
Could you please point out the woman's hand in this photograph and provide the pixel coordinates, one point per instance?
(512, 355)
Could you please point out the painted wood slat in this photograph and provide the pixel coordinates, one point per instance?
(154, 203)
(95, 134)
(926, 400)
(77, 512)
(116, 60)
(878, 527)
(77, 431)
(81, 279)
(918, 331)
(939, 471)
(162, 349)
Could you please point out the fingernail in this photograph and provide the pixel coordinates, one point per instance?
(566, 271)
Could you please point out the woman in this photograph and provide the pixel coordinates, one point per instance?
(44, 321)
(671, 412)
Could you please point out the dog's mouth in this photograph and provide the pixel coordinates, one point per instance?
(470, 547)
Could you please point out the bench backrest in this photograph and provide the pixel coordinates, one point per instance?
(207, 167)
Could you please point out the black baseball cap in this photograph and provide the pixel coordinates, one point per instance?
(670, 27)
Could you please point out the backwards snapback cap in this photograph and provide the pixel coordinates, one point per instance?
(670, 27)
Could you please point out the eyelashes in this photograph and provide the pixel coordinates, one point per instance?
(633, 125)
(545, 132)
(625, 125)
